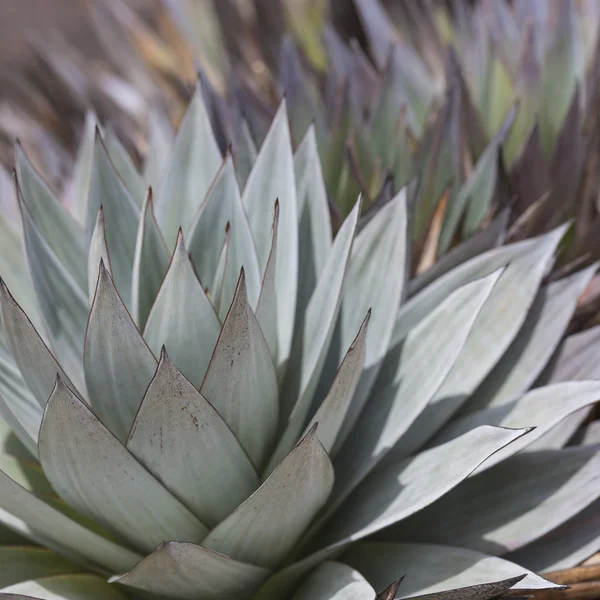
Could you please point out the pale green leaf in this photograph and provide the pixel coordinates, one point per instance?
(195, 160)
(181, 439)
(244, 154)
(117, 363)
(335, 581)
(271, 179)
(125, 167)
(181, 570)
(183, 318)
(98, 251)
(95, 474)
(60, 231)
(260, 530)
(150, 264)
(160, 142)
(121, 216)
(241, 382)
(223, 205)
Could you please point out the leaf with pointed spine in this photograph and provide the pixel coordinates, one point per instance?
(537, 339)
(77, 190)
(312, 344)
(195, 160)
(125, 167)
(330, 414)
(21, 563)
(542, 407)
(244, 154)
(412, 374)
(45, 525)
(512, 504)
(222, 205)
(118, 491)
(335, 581)
(272, 178)
(182, 570)
(98, 251)
(216, 289)
(183, 318)
(150, 263)
(63, 303)
(62, 234)
(175, 421)
(495, 328)
(431, 568)
(63, 587)
(241, 382)
(266, 309)
(36, 363)
(121, 216)
(260, 530)
(160, 141)
(117, 363)
(380, 250)
(314, 222)
(395, 492)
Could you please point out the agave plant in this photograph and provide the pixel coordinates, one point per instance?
(206, 394)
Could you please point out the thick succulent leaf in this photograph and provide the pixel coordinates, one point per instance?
(77, 189)
(268, 524)
(160, 142)
(493, 331)
(241, 382)
(125, 167)
(430, 568)
(488, 238)
(332, 411)
(271, 179)
(103, 480)
(195, 160)
(150, 264)
(312, 343)
(98, 251)
(244, 154)
(512, 504)
(176, 422)
(542, 407)
(182, 570)
(223, 205)
(63, 302)
(335, 581)
(60, 231)
(117, 363)
(410, 376)
(121, 216)
(536, 341)
(375, 280)
(395, 492)
(314, 222)
(215, 291)
(10, 444)
(34, 519)
(63, 587)
(565, 546)
(266, 309)
(20, 563)
(421, 304)
(36, 363)
(483, 591)
(590, 435)
(183, 318)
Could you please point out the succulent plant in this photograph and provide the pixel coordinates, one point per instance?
(205, 393)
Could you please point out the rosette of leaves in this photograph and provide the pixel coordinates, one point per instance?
(207, 393)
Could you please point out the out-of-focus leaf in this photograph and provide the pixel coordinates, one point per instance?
(125, 167)
(182, 570)
(118, 491)
(21, 563)
(183, 318)
(379, 29)
(241, 382)
(175, 421)
(334, 581)
(160, 142)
